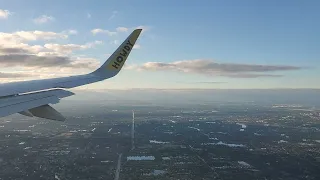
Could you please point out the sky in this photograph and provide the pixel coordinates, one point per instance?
(201, 44)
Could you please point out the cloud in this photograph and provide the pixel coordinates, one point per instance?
(20, 48)
(68, 48)
(102, 31)
(211, 68)
(16, 43)
(122, 29)
(65, 48)
(4, 14)
(70, 32)
(53, 57)
(95, 43)
(42, 61)
(13, 75)
(248, 75)
(85, 63)
(43, 19)
(144, 28)
(38, 35)
(49, 55)
(46, 60)
(13, 50)
(126, 29)
(136, 46)
(113, 15)
(24, 36)
(209, 82)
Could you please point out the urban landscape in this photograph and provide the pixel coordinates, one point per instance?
(197, 141)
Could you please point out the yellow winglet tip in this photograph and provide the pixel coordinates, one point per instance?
(138, 30)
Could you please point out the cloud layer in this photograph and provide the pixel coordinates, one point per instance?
(47, 60)
(16, 52)
(4, 14)
(212, 68)
(24, 36)
(69, 48)
(13, 75)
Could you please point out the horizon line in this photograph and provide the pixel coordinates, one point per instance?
(194, 89)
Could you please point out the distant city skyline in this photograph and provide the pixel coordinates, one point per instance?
(195, 45)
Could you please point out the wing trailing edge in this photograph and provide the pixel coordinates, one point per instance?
(27, 104)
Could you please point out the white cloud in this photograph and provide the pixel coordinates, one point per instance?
(126, 29)
(65, 48)
(16, 42)
(85, 63)
(136, 46)
(129, 29)
(4, 14)
(122, 29)
(43, 19)
(96, 31)
(39, 35)
(97, 42)
(144, 28)
(102, 31)
(25, 36)
(72, 32)
(69, 32)
(211, 68)
(69, 48)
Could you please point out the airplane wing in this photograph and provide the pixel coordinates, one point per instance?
(32, 98)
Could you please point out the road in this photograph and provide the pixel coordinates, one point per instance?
(132, 132)
(117, 174)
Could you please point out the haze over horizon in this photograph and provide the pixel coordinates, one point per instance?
(195, 45)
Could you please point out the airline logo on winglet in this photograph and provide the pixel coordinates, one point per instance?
(118, 62)
(122, 54)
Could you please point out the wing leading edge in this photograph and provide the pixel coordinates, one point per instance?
(27, 92)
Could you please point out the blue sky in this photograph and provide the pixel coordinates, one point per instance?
(282, 34)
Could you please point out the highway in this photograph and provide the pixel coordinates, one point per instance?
(117, 173)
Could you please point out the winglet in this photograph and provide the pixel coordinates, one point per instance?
(116, 61)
